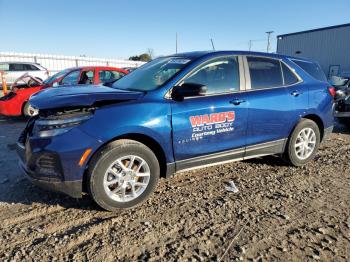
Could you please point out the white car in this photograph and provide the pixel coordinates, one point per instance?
(15, 70)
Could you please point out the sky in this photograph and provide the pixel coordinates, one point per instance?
(120, 29)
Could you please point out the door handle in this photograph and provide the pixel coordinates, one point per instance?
(296, 93)
(237, 101)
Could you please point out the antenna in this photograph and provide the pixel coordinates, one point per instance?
(212, 43)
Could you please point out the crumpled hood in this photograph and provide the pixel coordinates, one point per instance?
(82, 95)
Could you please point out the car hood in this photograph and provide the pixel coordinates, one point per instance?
(82, 95)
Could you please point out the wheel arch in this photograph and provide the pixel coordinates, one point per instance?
(318, 120)
(141, 138)
(23, 105)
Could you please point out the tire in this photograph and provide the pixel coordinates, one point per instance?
(28, 110)
(111, 165)
(296, 153)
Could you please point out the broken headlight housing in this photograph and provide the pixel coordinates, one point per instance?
(59, 123)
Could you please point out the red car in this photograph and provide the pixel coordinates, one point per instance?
(15, 102)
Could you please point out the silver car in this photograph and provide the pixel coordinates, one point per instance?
(14, 70)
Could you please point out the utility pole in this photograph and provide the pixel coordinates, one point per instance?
(212, 43)
(268, 40)
(250, 45)
(176, 44)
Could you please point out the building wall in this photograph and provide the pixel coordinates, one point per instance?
(55, 63)
(327, 47)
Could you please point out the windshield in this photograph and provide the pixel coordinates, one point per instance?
(51, 79)
(152, 75)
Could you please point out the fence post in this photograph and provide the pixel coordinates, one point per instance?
(76, 62)
(3, 82)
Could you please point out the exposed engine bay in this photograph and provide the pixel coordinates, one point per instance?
(26, 81)
(342, 103)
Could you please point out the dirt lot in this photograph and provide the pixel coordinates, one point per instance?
(280, 213)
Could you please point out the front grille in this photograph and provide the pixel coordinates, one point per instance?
(46, 162)
(45, 165)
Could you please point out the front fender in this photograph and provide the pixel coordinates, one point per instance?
(151, 119)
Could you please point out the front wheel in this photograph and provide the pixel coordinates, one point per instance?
(123, 175)
(303, 143)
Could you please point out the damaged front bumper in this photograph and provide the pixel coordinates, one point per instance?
(71, 188)
(53, 163)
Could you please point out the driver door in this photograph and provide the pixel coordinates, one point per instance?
(211, 128)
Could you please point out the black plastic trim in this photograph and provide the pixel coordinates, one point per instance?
(70, 188)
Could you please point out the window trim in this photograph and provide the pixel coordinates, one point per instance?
(249, 85)
(309, 62)
(242, 79)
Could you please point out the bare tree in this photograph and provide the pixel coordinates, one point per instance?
(150, 52)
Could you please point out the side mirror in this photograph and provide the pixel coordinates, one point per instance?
(188, 90)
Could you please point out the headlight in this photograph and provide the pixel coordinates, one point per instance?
(54, 127)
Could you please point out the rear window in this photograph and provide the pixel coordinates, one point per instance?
(264, 72)
(288, 76)
(29, 67)
(312, 69)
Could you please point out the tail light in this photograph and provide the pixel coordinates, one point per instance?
(332, 91)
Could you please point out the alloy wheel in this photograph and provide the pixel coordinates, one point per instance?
(305, 143)
(127, 178)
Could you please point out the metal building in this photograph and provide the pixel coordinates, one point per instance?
(329, 46)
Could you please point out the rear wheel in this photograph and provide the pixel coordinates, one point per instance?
(303, 143)
(28, 110)
(123, 175)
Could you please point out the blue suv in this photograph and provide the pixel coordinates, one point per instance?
(173, 114)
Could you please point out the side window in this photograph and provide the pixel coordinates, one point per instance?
(220, 75)
(264, 72)
(312, 69)
(17, 67)
(288, 76)
(4, 67)
(71, 78)
(86, 78)
(29, 67)
(106, 76)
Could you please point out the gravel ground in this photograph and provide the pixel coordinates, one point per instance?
(280, 213)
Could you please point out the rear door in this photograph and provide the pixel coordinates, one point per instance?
(271, 113)
(214, 123)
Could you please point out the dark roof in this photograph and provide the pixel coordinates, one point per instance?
(315, 30)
